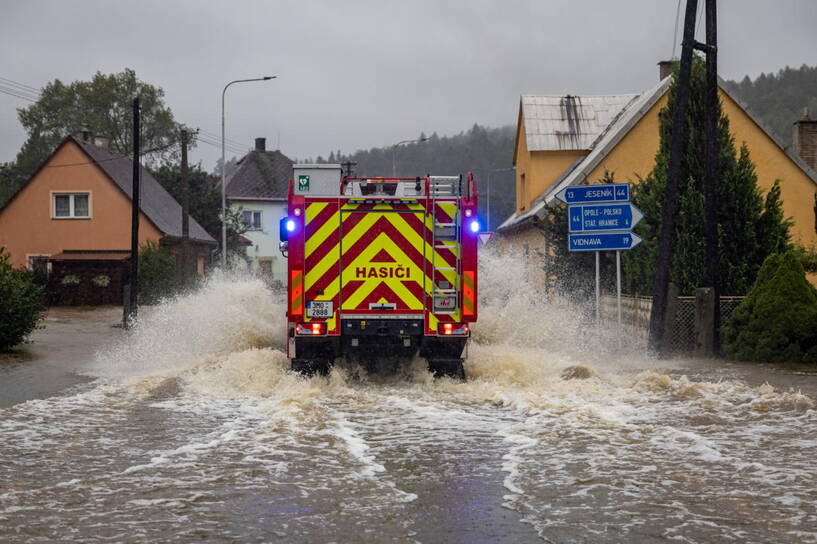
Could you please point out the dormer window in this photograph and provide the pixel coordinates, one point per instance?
(71, 205)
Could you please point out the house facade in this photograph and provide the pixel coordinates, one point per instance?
(258, 189)
(572, 140)
(73, 218)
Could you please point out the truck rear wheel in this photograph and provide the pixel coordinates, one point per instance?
(310, 367)
(450, 368)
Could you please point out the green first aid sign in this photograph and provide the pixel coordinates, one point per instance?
(303, 182)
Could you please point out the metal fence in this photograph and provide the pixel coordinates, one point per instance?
(635, 318)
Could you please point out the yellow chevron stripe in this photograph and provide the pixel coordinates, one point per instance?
(382, 242)
(418, 243)
(313, 209)
(315, 241)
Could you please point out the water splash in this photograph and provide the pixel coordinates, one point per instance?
(230, 312)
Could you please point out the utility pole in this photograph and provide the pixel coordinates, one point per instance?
(711, 181)
(185, 245)
(134, 239)
(678, 147)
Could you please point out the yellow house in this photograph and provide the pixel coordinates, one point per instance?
(573, 140)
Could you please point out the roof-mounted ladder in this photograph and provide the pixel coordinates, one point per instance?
(445, 236)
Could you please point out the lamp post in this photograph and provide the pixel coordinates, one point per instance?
(488, 215)
(394, 152)
(224, 170)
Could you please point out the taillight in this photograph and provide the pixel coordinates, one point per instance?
(316, 328)
(453, 329)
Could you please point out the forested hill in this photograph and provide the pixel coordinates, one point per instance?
(487, 152)
(778, 99)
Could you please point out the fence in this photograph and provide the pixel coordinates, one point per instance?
(635, 318)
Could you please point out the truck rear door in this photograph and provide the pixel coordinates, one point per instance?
(383, 257)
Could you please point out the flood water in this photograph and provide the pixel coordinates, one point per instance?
(191, 428)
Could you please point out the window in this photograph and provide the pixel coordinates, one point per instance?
(40, 266)
(523, 193)
(72, 205)
(252, 220)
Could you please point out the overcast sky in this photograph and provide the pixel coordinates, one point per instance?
(361, 74)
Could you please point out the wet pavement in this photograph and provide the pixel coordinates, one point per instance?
(191, 428)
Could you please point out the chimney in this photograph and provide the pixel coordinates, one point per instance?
(805, 139)
(260, 144)
(86, 134)
(665, 68)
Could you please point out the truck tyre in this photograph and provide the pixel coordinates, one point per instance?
(310, 367)
(451, 368)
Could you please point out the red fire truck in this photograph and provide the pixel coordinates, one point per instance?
(382, 270)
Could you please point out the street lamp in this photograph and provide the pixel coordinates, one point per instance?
(224, 170)
(394, 152)
(488, 215)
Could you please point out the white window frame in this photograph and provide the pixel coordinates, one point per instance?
(71, 194)
(260, 220)
(30, 255)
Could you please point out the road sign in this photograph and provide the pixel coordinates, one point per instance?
(485, 237)
(603, 241)
(588, 194)
(603, 217)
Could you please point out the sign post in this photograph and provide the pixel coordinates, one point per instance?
(601, 218)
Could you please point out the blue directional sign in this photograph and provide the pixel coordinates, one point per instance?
(606, 241)
(603, 217)
(588, 194)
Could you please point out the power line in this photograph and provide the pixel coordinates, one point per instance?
(216, 137)
(20, 85)
(17, 94)
(217, 143)
(29, 93)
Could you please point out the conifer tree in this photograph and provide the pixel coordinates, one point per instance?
(750, 226)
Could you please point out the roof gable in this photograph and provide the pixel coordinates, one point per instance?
(155, 202)
(262, 175)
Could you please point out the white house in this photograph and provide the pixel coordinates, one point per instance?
(258, 187)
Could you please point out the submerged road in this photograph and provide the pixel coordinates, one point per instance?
(186, 430)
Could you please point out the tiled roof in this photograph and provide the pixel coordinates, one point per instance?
(554, 122)
(155, 202)
(262, 175)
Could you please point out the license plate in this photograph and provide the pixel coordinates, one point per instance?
(319, 308)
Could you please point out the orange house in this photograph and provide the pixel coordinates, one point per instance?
(77, 209)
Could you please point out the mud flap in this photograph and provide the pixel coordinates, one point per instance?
(447, 368)
(310, 367)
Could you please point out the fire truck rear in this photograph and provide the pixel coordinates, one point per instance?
(380, 269)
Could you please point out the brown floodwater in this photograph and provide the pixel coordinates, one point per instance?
(190, 428)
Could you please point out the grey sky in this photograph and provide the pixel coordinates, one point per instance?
(369, 73)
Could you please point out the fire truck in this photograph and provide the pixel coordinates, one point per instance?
(380, 270)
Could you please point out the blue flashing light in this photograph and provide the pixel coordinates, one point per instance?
(474, 226)
(290, 225)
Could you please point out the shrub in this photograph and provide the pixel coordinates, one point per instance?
(20, 303)
(157, 273)
(777, 321)
(70, 279)
(101, 280)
